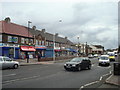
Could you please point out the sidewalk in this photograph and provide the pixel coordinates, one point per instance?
(112, 81)
(35, 62)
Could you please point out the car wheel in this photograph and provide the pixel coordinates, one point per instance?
(15, 66)
(89, 67)
(79, 68)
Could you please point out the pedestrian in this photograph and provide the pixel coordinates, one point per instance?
(39, 56)
(27, 57)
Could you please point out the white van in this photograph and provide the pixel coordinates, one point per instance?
(104, 60)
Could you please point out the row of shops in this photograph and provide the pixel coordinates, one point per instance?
(20, 51)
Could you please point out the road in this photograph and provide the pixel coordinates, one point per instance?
(51, 76)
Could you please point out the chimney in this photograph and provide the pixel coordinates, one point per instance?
(56, 34)
(43, 30)
(7, 20)
(65, 37)
(34, 27)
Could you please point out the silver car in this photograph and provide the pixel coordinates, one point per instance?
(6, 62)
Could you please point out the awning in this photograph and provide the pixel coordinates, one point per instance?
(40, 47)
(27, 48)
(71, 50)
(57, 50)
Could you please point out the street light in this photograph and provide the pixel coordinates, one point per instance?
(78, 44)
(54, 43)
(28, 39)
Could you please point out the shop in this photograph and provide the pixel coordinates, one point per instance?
(9, 50)
(71, 51)
(40, 49)
(24, 50)
(49, 52)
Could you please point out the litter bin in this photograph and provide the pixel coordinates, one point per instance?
(116, 68)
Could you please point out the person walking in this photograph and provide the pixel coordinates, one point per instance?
(27, 57)
(39, 56)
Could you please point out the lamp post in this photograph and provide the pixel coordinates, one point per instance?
(78, 44)
(54, 43)
(54, 47)
(28, 40)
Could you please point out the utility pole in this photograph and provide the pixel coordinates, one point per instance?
(28, 40)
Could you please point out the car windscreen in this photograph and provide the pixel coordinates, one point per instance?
(111, 55)
(104, 58)
(1, 59)
(76, 59)
(7, 59)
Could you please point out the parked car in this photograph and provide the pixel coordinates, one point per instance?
(6, 62)
(104, 60)
(78, 63)
(95, 55)
(90, 56)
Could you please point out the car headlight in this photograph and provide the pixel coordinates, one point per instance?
(73, 65)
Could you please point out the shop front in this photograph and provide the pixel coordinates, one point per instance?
(40, 49)
(57, 51)
(9, 50)
(71, 51)
(24, 50)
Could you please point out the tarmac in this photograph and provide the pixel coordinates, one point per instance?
(112, 81)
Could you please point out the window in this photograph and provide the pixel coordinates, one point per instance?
(26, 41)
(22, 40)
(46, 43)
(0, 37)
(12, 39)
(36, 42)
(42, 42)
(31, 41)
(9, 38)
(15, 39)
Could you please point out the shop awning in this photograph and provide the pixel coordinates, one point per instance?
(40, 47)
(27, 48)
(57, 50)
(71, 50)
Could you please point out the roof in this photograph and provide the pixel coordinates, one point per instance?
(15, 29)
(49, 36)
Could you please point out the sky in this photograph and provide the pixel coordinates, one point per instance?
(94, 22)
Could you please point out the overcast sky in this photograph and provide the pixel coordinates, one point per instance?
(94, 22)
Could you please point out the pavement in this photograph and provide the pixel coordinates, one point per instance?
(23, 62)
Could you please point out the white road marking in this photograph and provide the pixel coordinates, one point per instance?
(96, 81)
(9, 75)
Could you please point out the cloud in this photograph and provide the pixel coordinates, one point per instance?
(92, 22)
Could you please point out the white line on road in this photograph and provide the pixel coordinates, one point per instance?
(9, 75)
(95, 81)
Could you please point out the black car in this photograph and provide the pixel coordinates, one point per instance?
(78, 64)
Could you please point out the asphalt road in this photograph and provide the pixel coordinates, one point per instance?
(51, 76)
